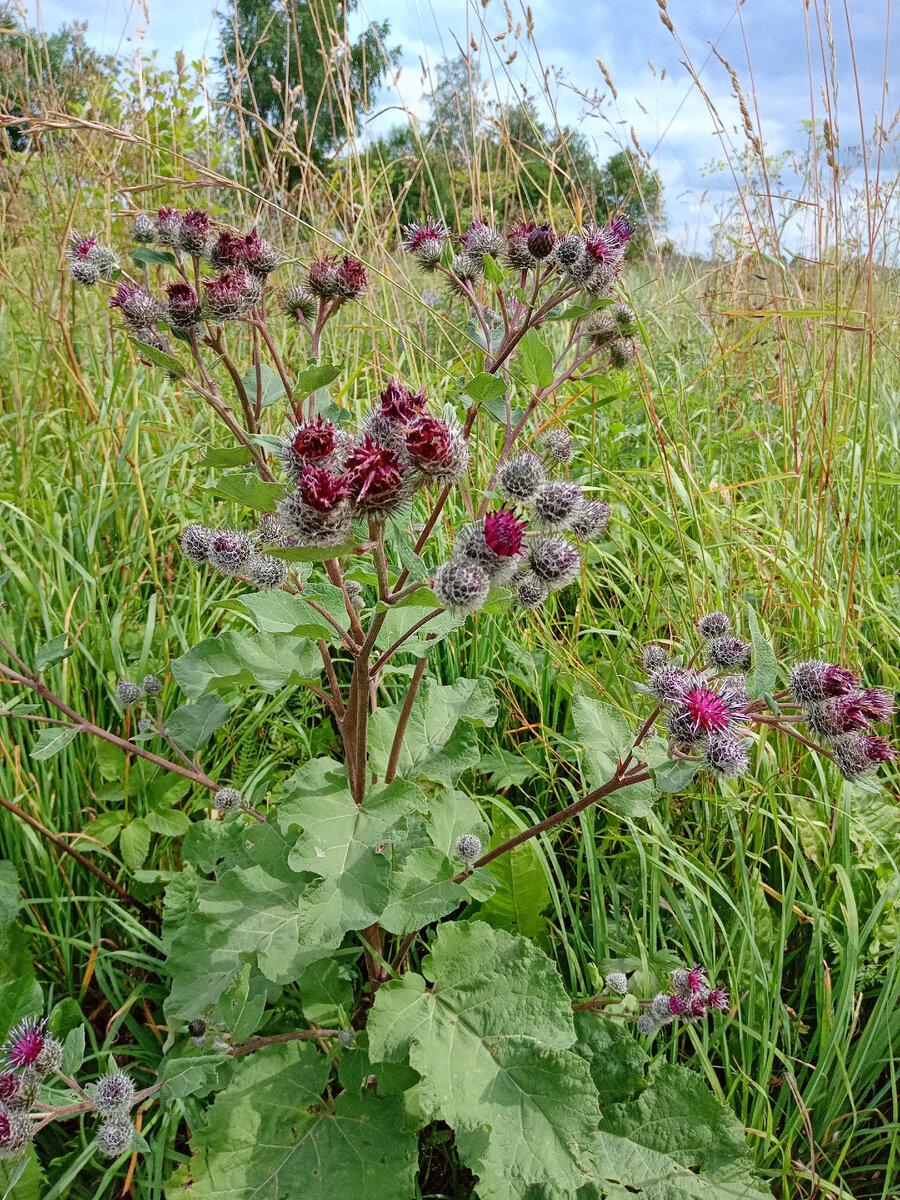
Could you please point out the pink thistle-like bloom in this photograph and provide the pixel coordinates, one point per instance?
(428, 440)
(374, 472)
(718, 999)
(321, 276)
(82, 247)
(314, 441)
(232, 294)
(598, 243)
(696, 978)
(259, 256)
(197, 221)
(25, 1043)
(677, 1006)
(9, 1085)
(399, 404)
(697, 1006)
(6, 1130)
(351, 280)
(184, 306)
(227, 251)
(875, 703)
(194, 232)
(504, 532)
(422, 236)
(879, 749)
(708, 707)
(518, 254)
(837, 681)
(621, 230)
(322, 489)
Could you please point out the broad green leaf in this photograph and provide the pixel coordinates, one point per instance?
(134, 843)
(22, 1178)
(348, 846)
(146, 256)
(485, 387)
(523, 893)
(192, 725)
(271, 387)
(421, 891)
(106, 827)
(51, 740)
(226, 456)
(492, 272)
(490, 1040)
(158, 357)
(616, 1059)
(401, 619)
(506, 769)
(326, 993)
(451, 814)
(605, 738)
(52, 652)
(534, 361)
(248, 490)
(168, 822)
(270, 1136)
(65, 1017)
(73, 1051)
(317, 375)
(279, 612)
(193, 1075)
(240, 1010)
(675, 776)
(435, 715)
(240, 660)
(761, 678)
(110, 761)
(678, 1135)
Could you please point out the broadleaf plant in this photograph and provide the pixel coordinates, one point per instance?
(357, 949)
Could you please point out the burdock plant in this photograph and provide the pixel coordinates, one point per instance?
(302, 901)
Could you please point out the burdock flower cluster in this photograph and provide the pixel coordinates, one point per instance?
(29, 1055)
(709, 711)
(690, 998)
(498, 550)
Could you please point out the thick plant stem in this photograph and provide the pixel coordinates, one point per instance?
(403, 720)
(372, 939)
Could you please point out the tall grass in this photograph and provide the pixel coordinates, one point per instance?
(753, 454)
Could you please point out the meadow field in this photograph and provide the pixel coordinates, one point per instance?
(750, 454)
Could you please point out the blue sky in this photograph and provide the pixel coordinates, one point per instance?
(770, 43)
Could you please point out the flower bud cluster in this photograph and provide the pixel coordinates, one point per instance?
(27, 1056)
(90, 261)
(128, 693)
(235, 553)
(690, 999)
(372, 475)
(843, 715)
(704, 714)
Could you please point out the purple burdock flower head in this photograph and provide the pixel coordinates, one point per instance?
(696, 978)
(183, 310)
(312, 443)
(726, 756)
(555, 561)
(399, 405)
(620, 230)
(718, 999)
(260, 256)
(25, 1043)
(504, 532)
(193, 237)
(541, 241)
(81, 247)
(138, 307)
(232, 294)
(520, 478)
(714, 625)
(227, 251)
(461, 586)
(815, 680)
(726, 653)
(480, 239)
(168, 226)
(10, 1085)
(857, 755)
(697, 1006)
(425, 240)
(554, 504)
(677, 1005)
(375, 475)
(599, 244)
(15, 1133)
(711, 707)
(322, 489)
(518, 254)
(437, 450)
(229, 550)
(832, 718)
(351, 279)
(113, 1094)
(590, 518)
(876, 703)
